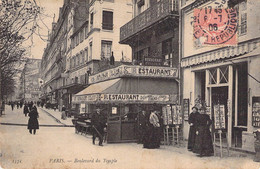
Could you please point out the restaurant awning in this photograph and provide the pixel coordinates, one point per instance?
(130, 90)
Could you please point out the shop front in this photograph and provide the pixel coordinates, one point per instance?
(121, 100)
(228, 88)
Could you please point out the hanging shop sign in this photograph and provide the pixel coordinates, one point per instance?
(134, 71)
(256, 111)
(219, 116)
(134, 98)
(186, 109)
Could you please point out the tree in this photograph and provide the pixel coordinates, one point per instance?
(18, 20)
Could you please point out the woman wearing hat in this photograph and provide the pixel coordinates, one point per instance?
(203, 141)
(193, 118)
(33, 123)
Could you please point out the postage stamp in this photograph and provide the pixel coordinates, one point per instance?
(215, 26)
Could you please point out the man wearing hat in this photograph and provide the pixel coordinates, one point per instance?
(98, 124)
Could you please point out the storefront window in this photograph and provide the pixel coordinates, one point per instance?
(223, 72)
(213, 76)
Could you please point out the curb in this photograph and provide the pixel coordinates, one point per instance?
(57, 120)
(41, 125)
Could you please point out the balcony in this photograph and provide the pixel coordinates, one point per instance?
(155, 13)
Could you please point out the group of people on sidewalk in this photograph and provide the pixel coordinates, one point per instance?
(200, 140)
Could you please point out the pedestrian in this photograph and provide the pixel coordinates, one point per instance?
(12, 105)
(33, 123)
(98, 125)
(21, 104)
(63, 113)
(203, 142)
(151, 131)
(112, 59)
(25, 110)
(17, 104)
(193, 118)
(141, 126)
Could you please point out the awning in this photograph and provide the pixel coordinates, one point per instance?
(225, 53)
(130, 90)
(98, 87)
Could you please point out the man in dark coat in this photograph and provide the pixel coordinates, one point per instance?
(25, 110)
(17, 104)
(193, 121)
(33, 123)
(141, 126)
(12, 105)
(98, 124)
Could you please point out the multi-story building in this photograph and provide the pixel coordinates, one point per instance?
(221, 68)
(72, 14)
(150, 82)
(153, 33)
(30, 81)
(93, 42)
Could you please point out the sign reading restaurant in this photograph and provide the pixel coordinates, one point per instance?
(147, 98)
(134, 71)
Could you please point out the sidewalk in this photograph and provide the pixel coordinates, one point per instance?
(16, 117)
(57, 115)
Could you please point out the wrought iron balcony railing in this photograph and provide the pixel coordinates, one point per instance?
(150, 16)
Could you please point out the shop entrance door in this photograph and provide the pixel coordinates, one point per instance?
(219, 95)
(114, 125)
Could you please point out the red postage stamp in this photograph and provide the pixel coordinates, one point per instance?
(215, 26)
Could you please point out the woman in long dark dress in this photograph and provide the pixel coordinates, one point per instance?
(203, 141)
(33, 123)
(152, 135)
(193, 126)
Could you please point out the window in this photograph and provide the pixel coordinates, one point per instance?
(82, 57)
(90, 51)
(71, 63)
(167, 52)
(243, 23)
(86, 54)
(140, 5)
(74, 61)
(107, 22)
(81, 35)
(78, 59)
(91, 20)
(213, 76)
(106, 49)
(86, 31)
(77, 39)
(223, 73)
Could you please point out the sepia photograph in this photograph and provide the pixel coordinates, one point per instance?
(129, 84)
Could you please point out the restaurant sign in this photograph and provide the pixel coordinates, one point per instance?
(134, 98)
(134, 71)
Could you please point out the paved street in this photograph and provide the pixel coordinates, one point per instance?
(60, 147)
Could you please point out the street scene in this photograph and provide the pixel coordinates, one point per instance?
(136, 84)
(54, 146)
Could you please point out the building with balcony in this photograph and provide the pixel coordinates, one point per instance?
(149, 83)
(153, 33)
(92, 43)
(225, 77)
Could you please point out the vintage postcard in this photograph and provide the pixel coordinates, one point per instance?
(129, 84)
